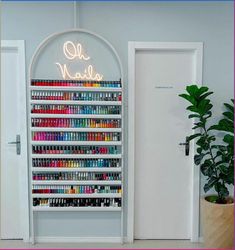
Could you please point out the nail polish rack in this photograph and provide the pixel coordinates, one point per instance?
(76, 145)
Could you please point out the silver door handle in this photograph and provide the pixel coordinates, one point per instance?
(17, 143)
(187, 146)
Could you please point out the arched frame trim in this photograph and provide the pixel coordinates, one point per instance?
(37, 52)
(44, 43)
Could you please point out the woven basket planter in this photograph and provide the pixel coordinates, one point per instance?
(218, 224)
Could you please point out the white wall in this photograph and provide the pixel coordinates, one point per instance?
(207, 22)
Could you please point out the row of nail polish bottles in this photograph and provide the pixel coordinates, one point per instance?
(75, 109)
(77, 202)
(75, 83)
(74, 189)
(75, 136)
(75, 123)
(75, 96)
(76, 163)
(78, 176)
(75, 149)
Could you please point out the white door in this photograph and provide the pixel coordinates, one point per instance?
(163, 187)
(14, 203)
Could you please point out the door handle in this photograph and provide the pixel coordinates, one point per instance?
(186, 144)
(17, 143)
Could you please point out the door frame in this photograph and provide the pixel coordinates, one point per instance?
(19, 47)
(133, 47)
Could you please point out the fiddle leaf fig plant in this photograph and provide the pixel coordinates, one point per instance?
(226, 151)
(215, 160)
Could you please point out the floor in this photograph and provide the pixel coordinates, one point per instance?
(180, 244)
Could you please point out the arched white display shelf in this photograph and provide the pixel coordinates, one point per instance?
(75, 126)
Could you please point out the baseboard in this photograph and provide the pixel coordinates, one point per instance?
(26, 240)
(200, 239)
(125, 239)
(78, 239)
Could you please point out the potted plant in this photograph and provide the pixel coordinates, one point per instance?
(216, 160)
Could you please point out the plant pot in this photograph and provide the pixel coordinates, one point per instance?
(218, 224)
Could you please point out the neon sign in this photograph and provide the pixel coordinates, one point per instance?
(73, 52)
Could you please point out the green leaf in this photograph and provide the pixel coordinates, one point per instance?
(191, 137)
(206, 168)
(198, 125)
(211, 138)
(199, 150)
(198, 158)
(201, 90)
(189, 98)
(194, 116)
(212, 198)
(209, 114)
(202, 104)
(193, 109)
(205, 95)
(219, 163)
(192, 90)
(229, 139)
(229, 115)
(203, 143)
(212, 181)
(223, 125)
(208, 107)
(229, 107)
(222, 190)
(223, 169)
(230, 176)
(213, 127)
